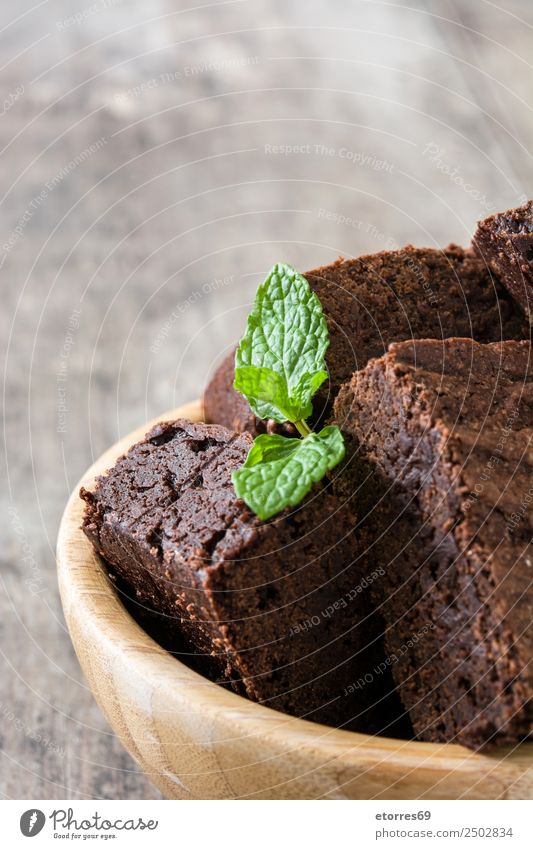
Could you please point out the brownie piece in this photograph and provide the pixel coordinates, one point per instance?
(505, 242)
(382, 298)
(281, 608)
(450, 426)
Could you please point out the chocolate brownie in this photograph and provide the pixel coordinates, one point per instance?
(450, 426)
(386, 297)
(281, 608)
(505, 242)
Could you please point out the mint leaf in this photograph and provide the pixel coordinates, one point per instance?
(266, 390)
(280, 471)
(287, 336)
(267, 394)
(279, 365)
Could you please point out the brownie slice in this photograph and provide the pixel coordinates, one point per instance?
(281, 609)
(224, 405)
(450, 426)
(505, 242)
(382, 298)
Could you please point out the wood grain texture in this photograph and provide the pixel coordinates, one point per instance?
(195, 740)
(136, 260)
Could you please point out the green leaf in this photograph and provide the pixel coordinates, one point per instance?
(286, 335)
(266, 391)
(279, 471)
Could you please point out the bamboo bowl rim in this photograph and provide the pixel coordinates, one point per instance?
(89, 598)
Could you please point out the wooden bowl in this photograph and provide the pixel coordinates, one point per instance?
(195, 740)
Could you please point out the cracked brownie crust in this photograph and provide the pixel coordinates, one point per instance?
(450, 426)
(259, 600)
(505, 242)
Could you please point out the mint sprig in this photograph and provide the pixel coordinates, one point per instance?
(280, 471)
(279, 365)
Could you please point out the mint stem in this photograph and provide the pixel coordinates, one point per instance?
(302, 428)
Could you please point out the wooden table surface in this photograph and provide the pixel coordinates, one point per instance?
(157, 159)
